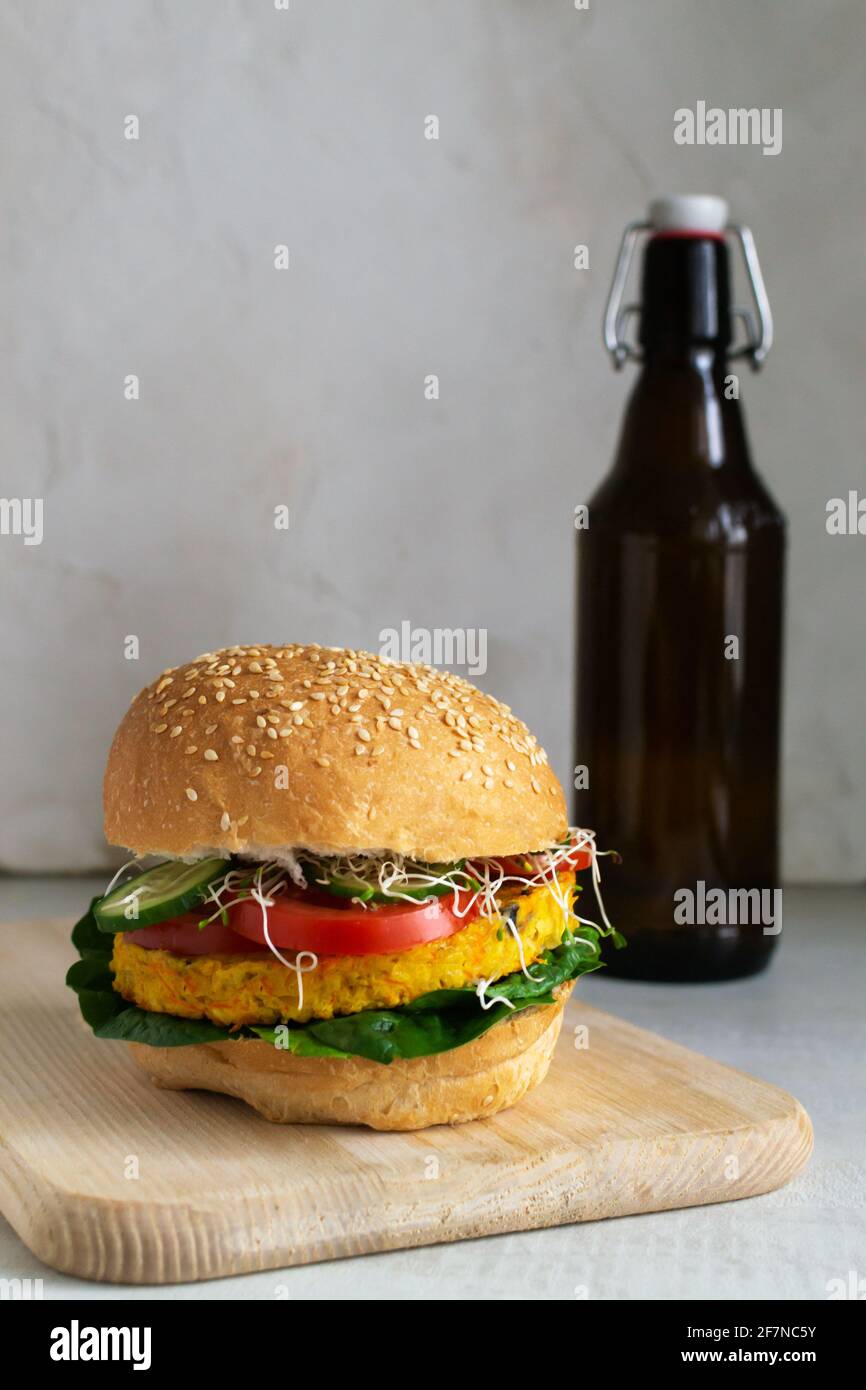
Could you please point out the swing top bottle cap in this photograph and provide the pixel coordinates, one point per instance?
(689, 212)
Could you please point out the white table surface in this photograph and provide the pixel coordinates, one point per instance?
(801, 1025)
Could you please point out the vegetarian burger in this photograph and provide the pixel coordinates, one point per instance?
(353, 896)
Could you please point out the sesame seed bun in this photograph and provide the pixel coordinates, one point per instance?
(253, 750)
(468, 1083)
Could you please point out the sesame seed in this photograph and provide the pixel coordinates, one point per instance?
(467, 775)
(486, 768)
(412, 731)
(323, 762)
(193, 748)
(251, 750)
(394, 723)
(211, 755)
(225, 821)
(360, 748)
(178, 729)
(297, 704)
(210, 728)
(509, 781)
(488, 784)
(160, 728)
(535, 784)
(238, 702)
(237, 738)
(364, 734)
(466, 745)
(220, 696)
(510, 765)
(454, 752)
(272, 733)
(254, 694)
(284, 733)
(193, 795)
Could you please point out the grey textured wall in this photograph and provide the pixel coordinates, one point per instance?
(408, 256)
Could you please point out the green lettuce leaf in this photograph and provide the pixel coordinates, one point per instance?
(434, 1022)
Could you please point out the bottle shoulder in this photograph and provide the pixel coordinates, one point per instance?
(683, 465)
(719, 504)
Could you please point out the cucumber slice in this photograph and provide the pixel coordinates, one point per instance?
(158, 894)
(421, 894)
(425, 890)
(351, 888)
(341, 885)
(347, 886)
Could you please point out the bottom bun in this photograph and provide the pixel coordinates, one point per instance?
(467, 1083)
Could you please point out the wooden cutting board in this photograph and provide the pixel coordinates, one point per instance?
(104, 1176)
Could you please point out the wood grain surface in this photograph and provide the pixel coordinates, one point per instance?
(107, 1177)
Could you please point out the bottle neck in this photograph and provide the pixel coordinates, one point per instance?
(685, 310)
(682, 417)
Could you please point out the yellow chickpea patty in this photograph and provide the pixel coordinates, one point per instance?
(234, 990)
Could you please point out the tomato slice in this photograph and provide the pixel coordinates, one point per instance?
(571, 862)
(299, 925)
(184, 936)
(578, 859)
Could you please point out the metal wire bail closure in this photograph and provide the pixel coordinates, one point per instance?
(758, 324)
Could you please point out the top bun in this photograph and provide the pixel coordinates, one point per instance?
(254, 750)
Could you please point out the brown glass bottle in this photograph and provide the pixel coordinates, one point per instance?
(684, 550)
